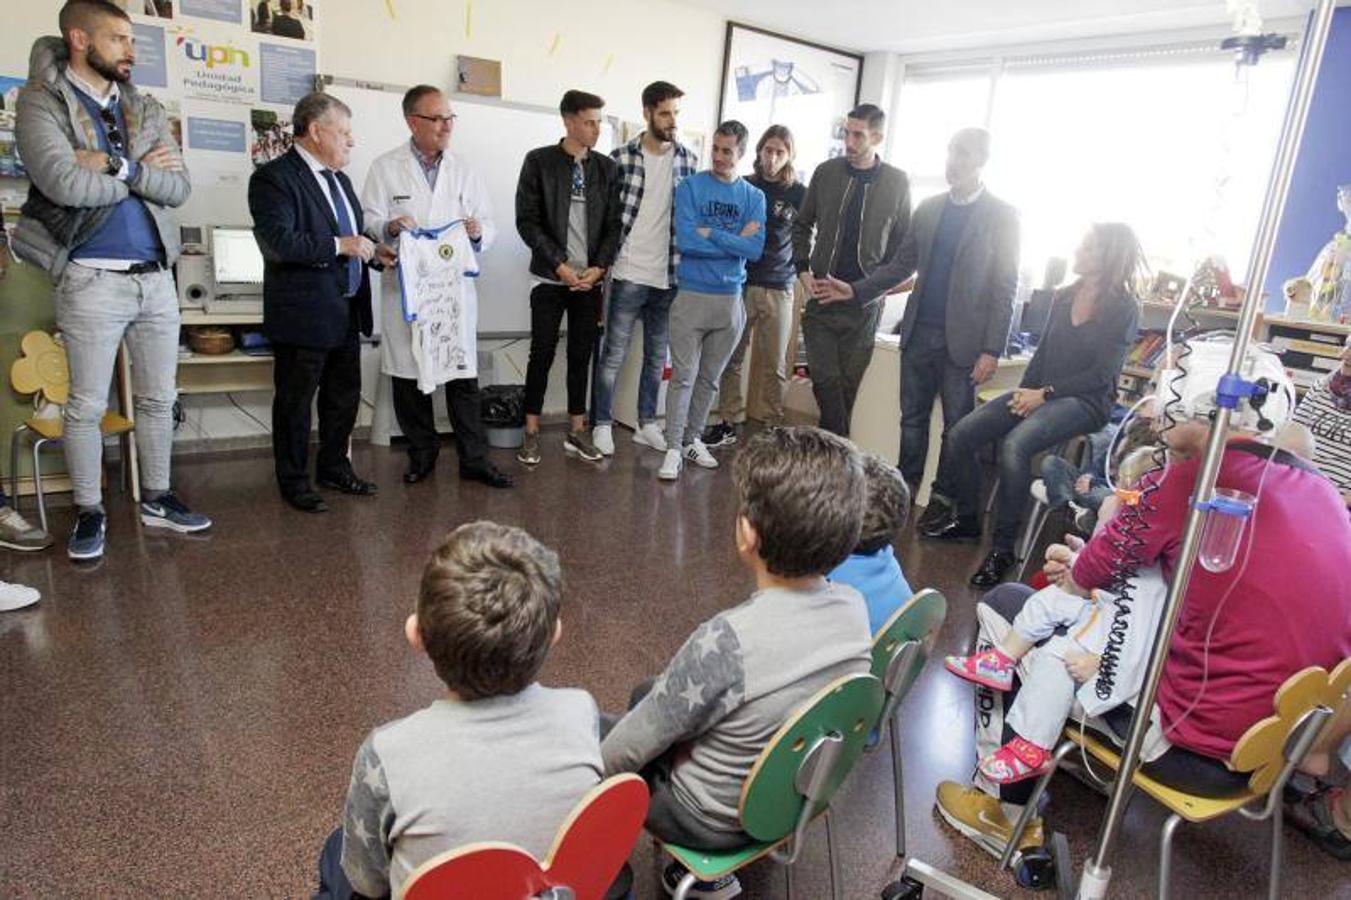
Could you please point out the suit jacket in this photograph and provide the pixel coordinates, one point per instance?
(295, 227)
(984, 276)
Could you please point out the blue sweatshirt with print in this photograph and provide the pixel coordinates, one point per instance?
(717, 264)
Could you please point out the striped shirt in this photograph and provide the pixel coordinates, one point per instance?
(631, 177)
(1331, 426)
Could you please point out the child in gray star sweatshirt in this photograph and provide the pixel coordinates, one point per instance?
(698, 730)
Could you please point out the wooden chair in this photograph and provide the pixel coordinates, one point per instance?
(43, 371)
(1271, 750)
(586, 857)
(793, 782)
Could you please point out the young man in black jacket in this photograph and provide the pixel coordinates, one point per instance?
(567, 212)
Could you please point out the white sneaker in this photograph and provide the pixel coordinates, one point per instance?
(670, 466)
(17, 596)
(698, 454)
(603, 437)
(650, 435)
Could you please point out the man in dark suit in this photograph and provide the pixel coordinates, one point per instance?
(316, 298)
(962, 246)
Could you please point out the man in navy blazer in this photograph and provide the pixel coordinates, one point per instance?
(316, 298)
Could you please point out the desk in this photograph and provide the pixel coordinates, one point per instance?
(876, 424)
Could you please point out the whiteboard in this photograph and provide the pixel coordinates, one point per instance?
(492, 137)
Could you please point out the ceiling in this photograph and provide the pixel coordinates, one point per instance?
(921, 26)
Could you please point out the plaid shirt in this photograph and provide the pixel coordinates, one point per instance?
(631, 175)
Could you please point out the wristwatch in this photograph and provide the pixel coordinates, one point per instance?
(1047, 392)
(114, 165)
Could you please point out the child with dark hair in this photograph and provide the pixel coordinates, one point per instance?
(873, 568)
(487, 615)
(696, 731)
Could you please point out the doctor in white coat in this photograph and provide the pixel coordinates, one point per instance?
(421, 184)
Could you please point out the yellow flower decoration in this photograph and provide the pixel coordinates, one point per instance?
(42, 367)
(1261, 750)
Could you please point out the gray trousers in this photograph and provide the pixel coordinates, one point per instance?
(94, 310)
(704, 331)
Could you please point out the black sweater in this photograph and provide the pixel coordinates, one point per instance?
(1084, 361)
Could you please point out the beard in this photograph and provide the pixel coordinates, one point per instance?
(665, 135)
(108, 70)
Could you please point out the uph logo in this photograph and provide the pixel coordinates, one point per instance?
(213, 54)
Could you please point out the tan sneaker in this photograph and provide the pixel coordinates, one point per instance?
(17, 533)
(980, 817)
(579, 442)
(529, 452)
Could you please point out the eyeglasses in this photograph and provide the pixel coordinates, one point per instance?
(115, 143)
(439, 120)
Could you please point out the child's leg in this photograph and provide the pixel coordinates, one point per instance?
(1044, 612)
(1037, 716)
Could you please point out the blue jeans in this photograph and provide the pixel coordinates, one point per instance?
(628, 301)
(1023, 438)
(927, 372)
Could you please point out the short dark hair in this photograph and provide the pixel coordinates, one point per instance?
(802, 489)
(285, 5)
(311, 108)
(416, 93)
(85, 14)
(872, 114)
(888, 504)
(574, 102)
(658, 92)
(734, 129)
(487, 609)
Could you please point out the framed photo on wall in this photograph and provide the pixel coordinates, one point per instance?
(771, 79)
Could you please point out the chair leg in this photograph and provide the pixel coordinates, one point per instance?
(1277, 830)
(994, 493)
(14, 465)
(834, 860)
(683, 889)
(1036, 522)
(37, 483)
(1030, 809)
(898, 782)
(1166, 855)
(788, 880)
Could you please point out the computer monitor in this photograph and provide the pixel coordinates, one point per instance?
(1036, 313)
(236, 263)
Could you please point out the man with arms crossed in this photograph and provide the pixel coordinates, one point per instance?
(856, 213)
(104, 172)
(421, 184)
(651, 167)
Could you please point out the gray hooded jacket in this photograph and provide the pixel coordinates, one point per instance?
(66, 202)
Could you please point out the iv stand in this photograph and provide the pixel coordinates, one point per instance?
(1097, 874)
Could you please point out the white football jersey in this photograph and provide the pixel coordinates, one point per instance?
(433, 266)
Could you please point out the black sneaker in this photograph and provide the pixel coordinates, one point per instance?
(939, 510)
(722, 434)
(87, 538)
(726, 887)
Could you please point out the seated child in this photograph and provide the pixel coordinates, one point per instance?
(1086, 487)
(700, 727)
(1043, 705)
(498, 757)
(873, 567)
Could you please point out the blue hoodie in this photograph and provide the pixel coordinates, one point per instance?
(878, 577)
(717, 264)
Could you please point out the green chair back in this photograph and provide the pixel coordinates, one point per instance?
(918, 620)
(841, 715)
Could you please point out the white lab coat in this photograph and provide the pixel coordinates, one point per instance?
(395, 186)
